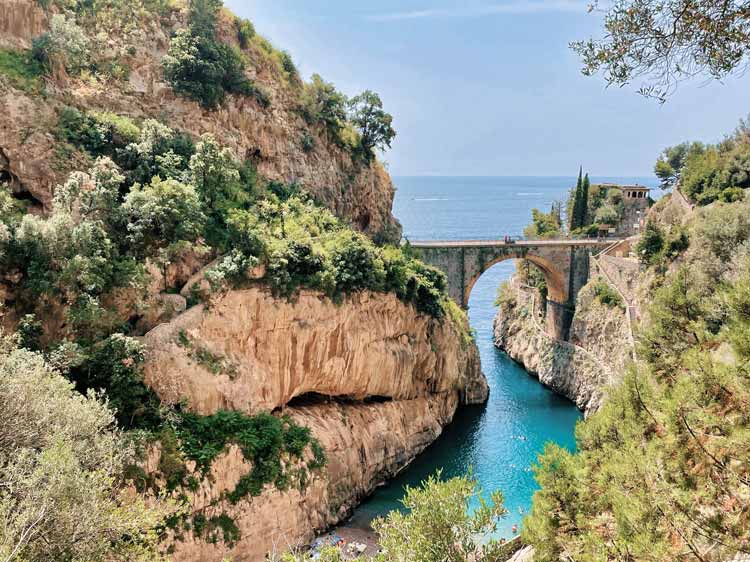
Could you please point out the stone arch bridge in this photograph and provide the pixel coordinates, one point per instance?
(564, 263)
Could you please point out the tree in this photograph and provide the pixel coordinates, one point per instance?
(92, 195)
(586, 186)
(651, 243)
(437, 526)
(668, 167)
(374, 124)
(575, 211)
(162, 213)
(321, 102)
(61, 469)
(664, 42)
(64, 46)
(607, 214)
(543, 225)
(198, 65)
(215, 174)
(158, 151)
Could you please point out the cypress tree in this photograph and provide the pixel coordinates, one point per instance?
(585, 201)
(575, 215)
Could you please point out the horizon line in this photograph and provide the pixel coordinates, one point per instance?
(433, 175)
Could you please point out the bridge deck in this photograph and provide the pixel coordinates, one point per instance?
(562, 242)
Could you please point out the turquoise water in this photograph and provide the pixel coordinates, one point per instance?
(501, 440)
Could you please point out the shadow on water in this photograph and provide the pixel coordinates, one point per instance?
(452, 454)
(497, 442)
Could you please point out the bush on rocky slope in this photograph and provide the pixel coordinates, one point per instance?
(77, 278)
(63, 464)
(661, 470)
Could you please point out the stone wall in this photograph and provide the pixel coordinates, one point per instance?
(622, 271)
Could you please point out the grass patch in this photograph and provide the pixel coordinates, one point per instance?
(21, 70)
(264, 440)
(606, 295)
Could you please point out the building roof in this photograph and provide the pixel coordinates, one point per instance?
(628, 187)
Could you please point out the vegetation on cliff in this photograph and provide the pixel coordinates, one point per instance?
(662, 469)
(436, 526)
(62, 465)
(78, 280)
(709, 172)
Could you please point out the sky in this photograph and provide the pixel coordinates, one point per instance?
(490, 87)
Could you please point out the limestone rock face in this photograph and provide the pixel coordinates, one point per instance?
(375, 382)
(372, 345)
(270, 137)
(21, 21)
(365, 444)
(581, 373)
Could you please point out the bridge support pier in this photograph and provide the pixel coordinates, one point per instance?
(559, 319)
(564, 264)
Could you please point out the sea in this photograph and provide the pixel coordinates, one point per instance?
(497, 443)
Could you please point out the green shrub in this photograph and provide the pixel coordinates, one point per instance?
(65, 43)
(80, 130)
(651, 244)
(288, 66)
(229, 531)
(607, 295)
(322, 103)
(29, 331)
(354, 263)
(199, 66)
(158, 151)
(263, 439)
(115, 366)
(293, 265)
(121, 129)
(162, 213)
(677, 241)
(245, 31)
(307, 142)
(21, 70)
(98, 133)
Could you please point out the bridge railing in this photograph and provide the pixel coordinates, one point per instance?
(518, 239)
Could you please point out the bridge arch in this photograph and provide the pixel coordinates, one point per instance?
(556, 281)
(563, 262)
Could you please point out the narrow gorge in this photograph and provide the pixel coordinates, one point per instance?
(373, 380)
(281, 364)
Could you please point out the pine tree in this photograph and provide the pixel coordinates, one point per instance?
(585, 201)
(575, 215)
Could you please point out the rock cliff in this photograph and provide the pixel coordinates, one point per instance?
(581, 372)
(270, 137)
(374, 380)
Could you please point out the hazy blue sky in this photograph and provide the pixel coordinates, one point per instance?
(489, 87)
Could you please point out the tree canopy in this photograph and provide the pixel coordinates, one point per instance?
(61, 468)
(709, 172)
(663, 42)
(374, 124)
